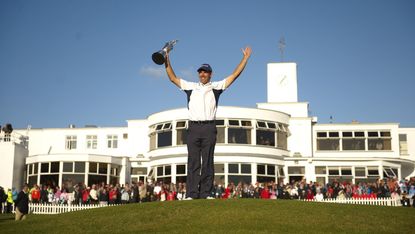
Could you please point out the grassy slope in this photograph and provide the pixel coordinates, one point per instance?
(215, 216)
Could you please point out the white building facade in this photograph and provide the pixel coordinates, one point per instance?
(276, 141)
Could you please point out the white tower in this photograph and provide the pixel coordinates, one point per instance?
(282, 82)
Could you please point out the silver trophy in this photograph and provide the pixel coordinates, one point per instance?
(160, 56)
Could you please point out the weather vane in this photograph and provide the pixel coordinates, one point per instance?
(281, 45)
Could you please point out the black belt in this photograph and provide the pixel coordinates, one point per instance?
(202, 121)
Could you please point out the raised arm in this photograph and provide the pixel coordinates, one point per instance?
(235, 74)
(170, 73)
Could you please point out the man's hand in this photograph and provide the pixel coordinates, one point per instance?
(247, 52)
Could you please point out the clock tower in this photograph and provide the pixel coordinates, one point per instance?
(282, 82)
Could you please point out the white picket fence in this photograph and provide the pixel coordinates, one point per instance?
(55, 208)
(361, 201)
(58, 209)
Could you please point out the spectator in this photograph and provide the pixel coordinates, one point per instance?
(35, 194)
(9, 201)
(22, 204)
(93, 195)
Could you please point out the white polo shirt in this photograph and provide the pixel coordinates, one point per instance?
(202, 99)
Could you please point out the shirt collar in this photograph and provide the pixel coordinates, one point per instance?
(207, 84)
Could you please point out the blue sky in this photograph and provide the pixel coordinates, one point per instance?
(89, 62)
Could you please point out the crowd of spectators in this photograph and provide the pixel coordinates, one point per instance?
(159, 191)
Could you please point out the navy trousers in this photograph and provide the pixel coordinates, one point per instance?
(201, 140)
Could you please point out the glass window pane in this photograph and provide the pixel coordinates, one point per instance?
(220, 122)
(67, 166)
(181, 136)
(236, 179)
(333, 134)
(159, 127)
(44, 167)
(359, 134)
(103, 168)
(272, 125)
(233, 168)
(360, 172)
(296, 170)
(219, 168)
(93, 167)
(282, 140)
(245, 168)
(346, 171)
(270, 169)
(321, 134)
(54, 167)
(385, 134)
(347, 134)
(261, 169)
(181, 169)
(246, 123)
(373, 134)
(167, 170)
(353, 144)
(261, 124)
(234, 122)
(321, 170)
(328, 144)
(167, 126)
(239, 136)
(264, 137)
(379, 144)
(164, 139)
(220, 135)
(334, 171)
(160, 171)
(180, 124)
(79, 167)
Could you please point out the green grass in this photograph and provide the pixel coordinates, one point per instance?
(221, 216)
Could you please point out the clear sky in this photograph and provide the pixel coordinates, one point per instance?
(89, 62)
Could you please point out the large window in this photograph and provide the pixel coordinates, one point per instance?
(112, 141)
(239, 172)
(266, 173)
(282, 135)
(220, 174)
(379, 140)
(70, 142)
(328, 141)
(160, 135)
(353, 141)
(265, 133)
(239, 132)
(181, 132)
(91, 142)
(164, 173)
(220, 127)
(403, 144)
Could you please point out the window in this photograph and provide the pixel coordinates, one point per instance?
(239, 132)
(333, 171)
(181, 169)
(330, 143)
(139, 171)
(160, 135)
(372, 171)
(220, 127)
(282, 135)
(70, 142)
(181, 133)
(346, 171)
(68, 167)
(265, 133)
(379, 141)
(296, 170)
(219, 168)
(360, 172)
(112, 141)
(321, 170)
(353, 141)
(103, 168)
(261, 169)
(91, 142)
(403, 144)
(79, 167)
(93, 167)
(245, 168)
(233, 168)
(44, 168)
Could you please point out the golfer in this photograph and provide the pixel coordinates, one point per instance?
(203, 100)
